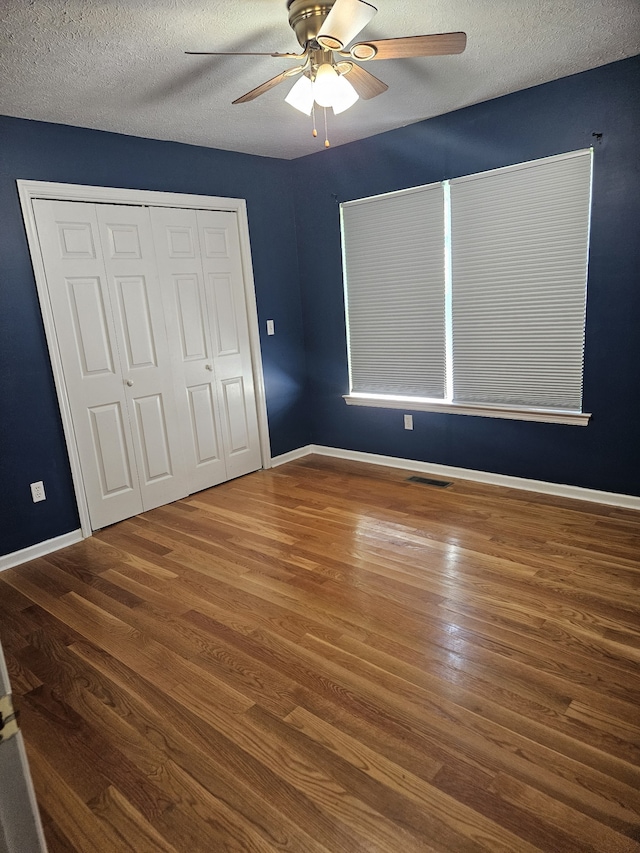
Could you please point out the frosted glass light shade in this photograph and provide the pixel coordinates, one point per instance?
(344, 95)
(301, 95)
(325, 85)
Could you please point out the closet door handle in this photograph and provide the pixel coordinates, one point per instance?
(208, 366)
(129, 382)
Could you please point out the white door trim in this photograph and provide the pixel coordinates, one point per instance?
(29, 190)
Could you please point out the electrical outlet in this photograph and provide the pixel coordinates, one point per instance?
(37, 492)
(408, 421)
(270, 327)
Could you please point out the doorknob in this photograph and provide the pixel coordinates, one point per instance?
(129, 382)
(209, 366)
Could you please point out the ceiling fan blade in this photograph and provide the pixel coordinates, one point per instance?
(365, 84)
(344, 22)
(441, 44)
(264, 87)
(241, 53)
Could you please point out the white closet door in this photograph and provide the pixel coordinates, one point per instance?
(151, 325)
(224, 285)
(81, 306)
(203, 286)
(177, 244)
(141, 336)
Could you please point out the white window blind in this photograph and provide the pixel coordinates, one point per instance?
(470, 295)
(395, 293)
(519, 240)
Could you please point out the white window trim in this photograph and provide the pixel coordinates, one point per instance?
(417, 404)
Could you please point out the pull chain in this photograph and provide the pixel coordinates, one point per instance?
(313, 115)
(327, 144)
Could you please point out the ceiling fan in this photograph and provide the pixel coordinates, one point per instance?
(329, 69)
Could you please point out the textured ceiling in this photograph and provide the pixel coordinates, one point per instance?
(119, 64)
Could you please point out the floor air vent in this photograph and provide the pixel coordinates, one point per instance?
(427, 481)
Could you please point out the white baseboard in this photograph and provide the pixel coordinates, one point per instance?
(293, 455)
(448, 471)
(40, 550)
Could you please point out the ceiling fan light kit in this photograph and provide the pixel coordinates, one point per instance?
(324, 30)
(329, 88)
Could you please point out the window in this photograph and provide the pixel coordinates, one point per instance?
(469, 296)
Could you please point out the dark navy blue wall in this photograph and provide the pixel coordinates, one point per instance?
(550, 119)
(302, 290)
(31, 440)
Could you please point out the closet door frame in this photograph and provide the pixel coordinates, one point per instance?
(30, 190)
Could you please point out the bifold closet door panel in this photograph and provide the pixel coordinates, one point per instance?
(225, 290)
(86, 338)
(139, 321)
(177, 243)
(203, 289)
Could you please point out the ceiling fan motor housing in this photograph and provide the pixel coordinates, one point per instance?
(306, 18)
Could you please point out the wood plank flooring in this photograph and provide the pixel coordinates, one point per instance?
(327, 658)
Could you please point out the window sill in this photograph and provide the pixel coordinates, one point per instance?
(550, 416)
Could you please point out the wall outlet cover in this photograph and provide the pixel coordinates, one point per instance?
(37, 492)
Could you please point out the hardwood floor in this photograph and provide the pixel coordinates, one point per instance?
(327, 657)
